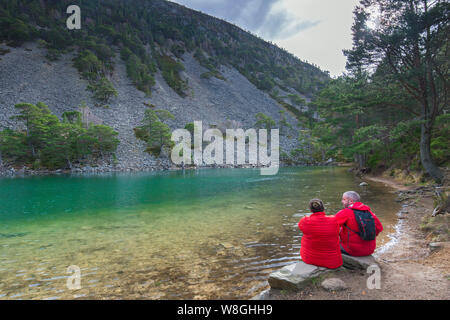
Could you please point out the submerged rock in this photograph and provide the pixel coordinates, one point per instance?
(227, 245)
(13, 235)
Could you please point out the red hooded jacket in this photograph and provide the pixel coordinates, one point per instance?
(350, 241)
(320, 240)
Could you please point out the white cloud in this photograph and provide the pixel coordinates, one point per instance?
(323, 44)
(314, 30)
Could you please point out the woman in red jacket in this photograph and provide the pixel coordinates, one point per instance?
(320, 240)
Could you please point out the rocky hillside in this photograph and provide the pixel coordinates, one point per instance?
(223, 76)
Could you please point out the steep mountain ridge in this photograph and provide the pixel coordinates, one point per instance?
(230, 75)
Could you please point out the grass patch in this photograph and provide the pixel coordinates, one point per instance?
(316, 281)
(437, 228)
(210, 74)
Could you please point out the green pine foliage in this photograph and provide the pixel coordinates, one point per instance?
(190, 127)
(369, 123)
(310, 150)
(171, 69)
(391, 109)
(406, 61)
(102, 90)
(103, 140)
(297, 100)
(89, 65)
(264, 121)
(209, 63)
(47, 142)
(154, 132)
(140, 73)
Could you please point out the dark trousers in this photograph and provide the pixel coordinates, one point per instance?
(343, 250)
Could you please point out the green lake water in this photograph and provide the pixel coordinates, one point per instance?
(205, 234)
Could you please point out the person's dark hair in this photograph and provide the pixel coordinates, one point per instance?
(316, 205)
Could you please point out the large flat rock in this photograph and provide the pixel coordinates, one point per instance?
(295, 276)
(362, 263)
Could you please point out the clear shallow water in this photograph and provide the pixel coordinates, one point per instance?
(206, 234)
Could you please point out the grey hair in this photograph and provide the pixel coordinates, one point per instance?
(352, 195)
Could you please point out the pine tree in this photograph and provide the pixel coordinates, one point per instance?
(410, 42)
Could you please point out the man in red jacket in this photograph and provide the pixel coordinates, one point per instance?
(351, 243)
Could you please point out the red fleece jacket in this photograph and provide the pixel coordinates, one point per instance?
(350, 241)
(320, 240)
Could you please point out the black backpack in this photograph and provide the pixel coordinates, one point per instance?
(366, 225)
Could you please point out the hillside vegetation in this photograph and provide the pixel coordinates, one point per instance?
(152, 35)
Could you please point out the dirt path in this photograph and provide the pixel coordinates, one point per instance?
(409, 269)
(390, 183)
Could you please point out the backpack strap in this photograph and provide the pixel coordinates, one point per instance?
(348, 233)
(345, 224)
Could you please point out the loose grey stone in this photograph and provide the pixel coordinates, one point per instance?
(334, 284)
(438, 245)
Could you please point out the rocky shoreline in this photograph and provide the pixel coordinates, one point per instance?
(104, 168)
(414, 265)
(159, 165)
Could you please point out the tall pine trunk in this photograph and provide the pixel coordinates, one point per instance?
(69, 163)
(425, 154)
(429, 114)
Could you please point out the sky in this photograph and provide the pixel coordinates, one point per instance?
(315, 31)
